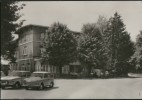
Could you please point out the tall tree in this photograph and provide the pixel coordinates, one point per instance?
(9, 17)
(136, 59)
(91, 51)
(121, 47)
(60, 47)
(103, 26)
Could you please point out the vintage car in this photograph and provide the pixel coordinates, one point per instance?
(39, 80)
(97, 73)
(2, 75)
(74, 75)
(15, 79)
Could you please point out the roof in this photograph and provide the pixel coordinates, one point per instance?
(41, 72)
(30, 25)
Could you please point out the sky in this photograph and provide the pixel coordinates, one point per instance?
(76, 13)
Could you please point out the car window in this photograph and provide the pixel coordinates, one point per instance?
(52, 76)
(15, 74)
(45, 75)
(23, 75)
(37, 75)
(28, 74)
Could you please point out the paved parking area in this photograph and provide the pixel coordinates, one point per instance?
(126, 88)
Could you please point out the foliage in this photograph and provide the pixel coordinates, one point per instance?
(136, 59)
(122, 68)
(91, 51)
(60, 45)
(9, 24)
(121, 47)
(102, 24)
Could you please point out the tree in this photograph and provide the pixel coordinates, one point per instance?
(119, 42)
(60, 46)
(136, 59)
(91, 48)
(103, 26)
(9, 24)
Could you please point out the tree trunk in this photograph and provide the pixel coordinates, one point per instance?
(60, 70)
(89, 71)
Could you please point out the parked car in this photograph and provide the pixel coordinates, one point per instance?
(15, 79)
(39, 80)
(135, 75)
(97, 73)
(74, 75)
(2, 75)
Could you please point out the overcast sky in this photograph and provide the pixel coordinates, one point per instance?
(76, 13)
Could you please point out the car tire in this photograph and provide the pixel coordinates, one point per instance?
(51, 84)
(41, 87)
(17, 85)
(3, 87)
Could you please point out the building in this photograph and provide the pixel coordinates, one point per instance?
(29, 52)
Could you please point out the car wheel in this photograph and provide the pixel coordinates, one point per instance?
(51, 84)
(17, 85)
(3, 87)
(41, 87)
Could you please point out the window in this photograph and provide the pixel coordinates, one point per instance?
(42, 50)
(42, 35)
(25, 50)
(25, 38)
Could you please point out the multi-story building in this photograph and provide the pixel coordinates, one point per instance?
(28, 49)
(29, 52)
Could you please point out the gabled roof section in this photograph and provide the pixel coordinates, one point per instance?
(30, 25)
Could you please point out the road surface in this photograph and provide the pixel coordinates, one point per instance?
(126, 88)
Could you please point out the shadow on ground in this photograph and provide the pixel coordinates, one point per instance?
(11, 88)
(33, 89)
(45, 89)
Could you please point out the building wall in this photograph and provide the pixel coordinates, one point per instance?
(25, 46)
(26, 51)
(29, 48)
(37, 41)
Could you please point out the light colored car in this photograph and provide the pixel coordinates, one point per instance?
(40, 80)
(15, 79)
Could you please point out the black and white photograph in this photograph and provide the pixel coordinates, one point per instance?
(71, 50)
